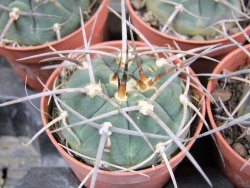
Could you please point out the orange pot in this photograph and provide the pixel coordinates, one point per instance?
(233, 161)
(158, 176)
(32, 68)
(160, 39)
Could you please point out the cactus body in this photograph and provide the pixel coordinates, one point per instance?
(35, 30)
(123, 150)
(205, 14)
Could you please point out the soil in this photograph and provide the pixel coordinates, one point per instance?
(231, 91)
(153, 21)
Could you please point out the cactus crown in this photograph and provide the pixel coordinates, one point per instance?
(34, 22)
(196, 17)
(135, 95)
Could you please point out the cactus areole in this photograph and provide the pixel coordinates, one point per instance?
(35, 22)
(194, 17)
(121, 149)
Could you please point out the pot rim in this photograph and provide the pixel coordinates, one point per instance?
(173, 160)
(55, 42)
(210, 87)
(206, 42)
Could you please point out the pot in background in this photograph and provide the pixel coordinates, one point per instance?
(32, 68)
(160, 39)
(233, 161)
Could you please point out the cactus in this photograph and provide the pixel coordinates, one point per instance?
(35, 22)
(123, 150)
(194, 17)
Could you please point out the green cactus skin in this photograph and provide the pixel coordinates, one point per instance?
(36, 30)
(125, 150)
(209, 11)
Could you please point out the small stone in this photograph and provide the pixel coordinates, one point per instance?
(219, 36)
(247, 146)
(198, 38)
(149, 18)
(137, 4)
(223, 94)
(138, 13)
(229, 141)
(234, 30)
(218, 110)
(247, 137)
(240, 149)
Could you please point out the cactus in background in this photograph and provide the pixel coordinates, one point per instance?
(35, 22)
(194, 17)
(121, 149)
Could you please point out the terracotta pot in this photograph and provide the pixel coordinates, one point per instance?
(233, 161)
(160, 39)
(158, 176)
(32, 68)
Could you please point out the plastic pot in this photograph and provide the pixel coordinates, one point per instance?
(233, 161)
(160, 39)
(158, 175)
(32, 68)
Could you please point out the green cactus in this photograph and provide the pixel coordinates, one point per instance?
(123, 150)
(196, 16)
(42, 16)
